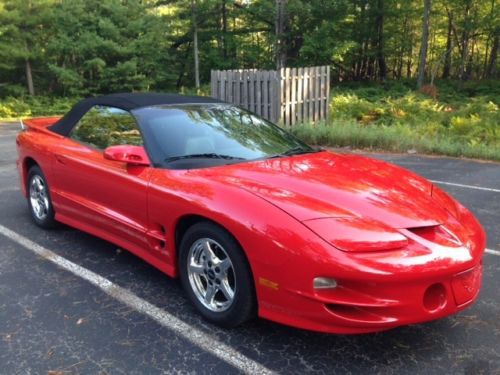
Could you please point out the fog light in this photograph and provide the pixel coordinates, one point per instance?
(324, 283)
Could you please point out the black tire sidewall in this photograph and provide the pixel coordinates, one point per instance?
(243, 307)
(48, 222)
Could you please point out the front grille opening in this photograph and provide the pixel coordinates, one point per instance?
(367, 315)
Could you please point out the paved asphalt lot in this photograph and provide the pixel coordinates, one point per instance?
(53, 320)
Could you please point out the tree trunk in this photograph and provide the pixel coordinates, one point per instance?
(398, 72)
(195, 45)
(224, 29)
(281, 26)
(491, 38)
(469, 66)
(465, 42)
(486, 51)
(29, 78)
(399, 67)
(449, 47)
(492, 65)
(380, 41)
(370, 68)
(361, 39)
(425, 41)
(185, 62)
(364, 64)
(409, 62)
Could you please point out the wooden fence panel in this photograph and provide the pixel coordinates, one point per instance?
(259, 92)
(327, 95)
(250, 105)
(265, 95)
(315, 94)
(300, 97)
(237, 88)
(289, 96)
(286, 102)
(312, 81)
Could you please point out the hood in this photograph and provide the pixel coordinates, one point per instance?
(324, 184)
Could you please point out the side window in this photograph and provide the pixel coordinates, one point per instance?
(104, 126)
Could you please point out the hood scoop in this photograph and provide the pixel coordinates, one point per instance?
(437, 234)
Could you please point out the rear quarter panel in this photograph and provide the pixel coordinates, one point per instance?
(35, 144)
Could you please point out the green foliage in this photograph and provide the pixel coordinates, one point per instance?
(382, 117)
(78, 48)
(105, 46)
(85, 47)
(14, 108)
(82, 47)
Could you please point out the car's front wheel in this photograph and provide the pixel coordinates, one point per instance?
(216, 276)
(39, 201)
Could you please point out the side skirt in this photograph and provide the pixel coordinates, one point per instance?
(141, 253)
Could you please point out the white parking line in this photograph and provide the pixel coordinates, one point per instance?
(201, 339)
(466, 186)
(492, 252)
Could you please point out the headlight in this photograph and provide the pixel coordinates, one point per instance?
(357, 234)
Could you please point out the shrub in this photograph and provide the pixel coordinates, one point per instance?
(390, 116)
(14, 108)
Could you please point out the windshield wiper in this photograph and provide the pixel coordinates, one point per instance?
(209, 155)
(294, 151)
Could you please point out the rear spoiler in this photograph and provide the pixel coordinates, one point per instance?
(39, 124)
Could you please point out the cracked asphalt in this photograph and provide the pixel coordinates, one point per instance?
(51, 320)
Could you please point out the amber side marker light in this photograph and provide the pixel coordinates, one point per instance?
(268, 283)
(324, 283)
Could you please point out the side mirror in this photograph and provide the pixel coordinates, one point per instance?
(132, 155)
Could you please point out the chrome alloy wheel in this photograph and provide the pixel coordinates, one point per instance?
(38, 197)
(211, 275)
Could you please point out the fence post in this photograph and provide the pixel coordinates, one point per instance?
(300, 97)
(327, 91)
(244, 95)
(276, 95)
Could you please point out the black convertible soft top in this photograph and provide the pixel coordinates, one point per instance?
(126, 101)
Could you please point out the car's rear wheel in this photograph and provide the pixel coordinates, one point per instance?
(39, 200)
(216, 276)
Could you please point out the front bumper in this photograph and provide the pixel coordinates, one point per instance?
(359, 307)
(378, 290)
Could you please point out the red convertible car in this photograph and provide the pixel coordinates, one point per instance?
(252, 220)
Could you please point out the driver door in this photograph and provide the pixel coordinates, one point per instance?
(105, 197)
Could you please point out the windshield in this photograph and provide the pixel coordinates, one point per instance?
(203, 135)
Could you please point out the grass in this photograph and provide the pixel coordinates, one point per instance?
(461, 121)
(394, 139)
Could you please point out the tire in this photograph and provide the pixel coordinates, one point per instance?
(39, 201)
(227, 271)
